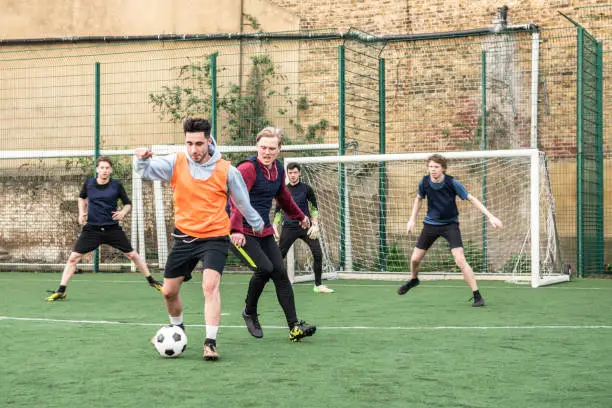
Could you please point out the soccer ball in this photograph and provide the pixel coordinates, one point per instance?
(170, 341)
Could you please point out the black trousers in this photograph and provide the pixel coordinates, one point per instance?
(267, 257)
(290, 234)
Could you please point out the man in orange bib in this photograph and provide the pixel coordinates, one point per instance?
(201, 182)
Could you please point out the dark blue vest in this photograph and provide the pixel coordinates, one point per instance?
(441, 203)
(263, 191)
(299, 193)
(102, 202)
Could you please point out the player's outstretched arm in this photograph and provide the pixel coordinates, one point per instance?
(416, 207)
(160, 168)
(495, 222)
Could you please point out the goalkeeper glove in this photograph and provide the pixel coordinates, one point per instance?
(313, 231)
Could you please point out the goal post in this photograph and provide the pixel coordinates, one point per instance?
(514, 183)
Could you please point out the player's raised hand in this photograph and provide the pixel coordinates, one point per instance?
(410, 226)
(496, 222)
(143, 153)
(305, 223)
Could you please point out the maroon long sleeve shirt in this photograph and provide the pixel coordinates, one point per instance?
(283, 198)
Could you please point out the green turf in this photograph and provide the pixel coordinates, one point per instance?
(547, 347)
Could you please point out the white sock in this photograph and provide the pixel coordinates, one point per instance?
(176, 320)
(211, 332)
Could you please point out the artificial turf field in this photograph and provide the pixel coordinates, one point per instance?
(546, 347)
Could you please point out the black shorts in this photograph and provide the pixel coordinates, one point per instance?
(430, 233)
(188, 251)
(92, 236)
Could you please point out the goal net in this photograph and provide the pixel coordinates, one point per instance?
(365, 201)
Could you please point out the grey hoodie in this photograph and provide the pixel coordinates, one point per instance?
(162, 167)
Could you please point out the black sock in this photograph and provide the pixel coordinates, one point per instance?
(150, 279)
(476, 294)
(212, 342)
(62, 289)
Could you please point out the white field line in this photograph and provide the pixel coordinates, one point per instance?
(397, 328)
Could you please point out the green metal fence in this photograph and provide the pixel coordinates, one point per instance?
(391, 95)
(597, 20)
(589, 155)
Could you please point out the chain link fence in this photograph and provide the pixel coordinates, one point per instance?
(57, 108)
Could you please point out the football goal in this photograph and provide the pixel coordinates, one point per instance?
(366, 200)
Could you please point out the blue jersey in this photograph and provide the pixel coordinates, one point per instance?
(302, 194)
(441, 199)
(102, 200)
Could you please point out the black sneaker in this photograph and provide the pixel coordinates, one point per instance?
(478, 302)
(301, 330)
(252, 324)
(407, 286)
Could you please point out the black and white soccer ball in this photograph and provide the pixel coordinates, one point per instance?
(170, 341)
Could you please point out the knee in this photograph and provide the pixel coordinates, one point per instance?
(75, 258)
(459, 257)
(264, 271)
(169, 293)
(461, 262)
(280, 275)
(132, 256)
(210, 288)
(416, 259)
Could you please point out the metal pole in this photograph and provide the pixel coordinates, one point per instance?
(483, 146)
(599, 160)
(96, 255)
(579, 155)
(535, 69)
(213, 103)
(341, 152)
(382, 176)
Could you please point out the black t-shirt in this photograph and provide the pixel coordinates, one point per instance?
(102, 200)
(301, 193)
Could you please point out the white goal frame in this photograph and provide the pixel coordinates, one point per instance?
(532, 154)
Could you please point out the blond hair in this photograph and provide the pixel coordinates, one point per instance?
(270, 131)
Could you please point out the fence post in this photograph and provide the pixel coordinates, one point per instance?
(579, 155)
(483, 146)
(382, 170)
(213, 99)
(96, 255)
(341, 151)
